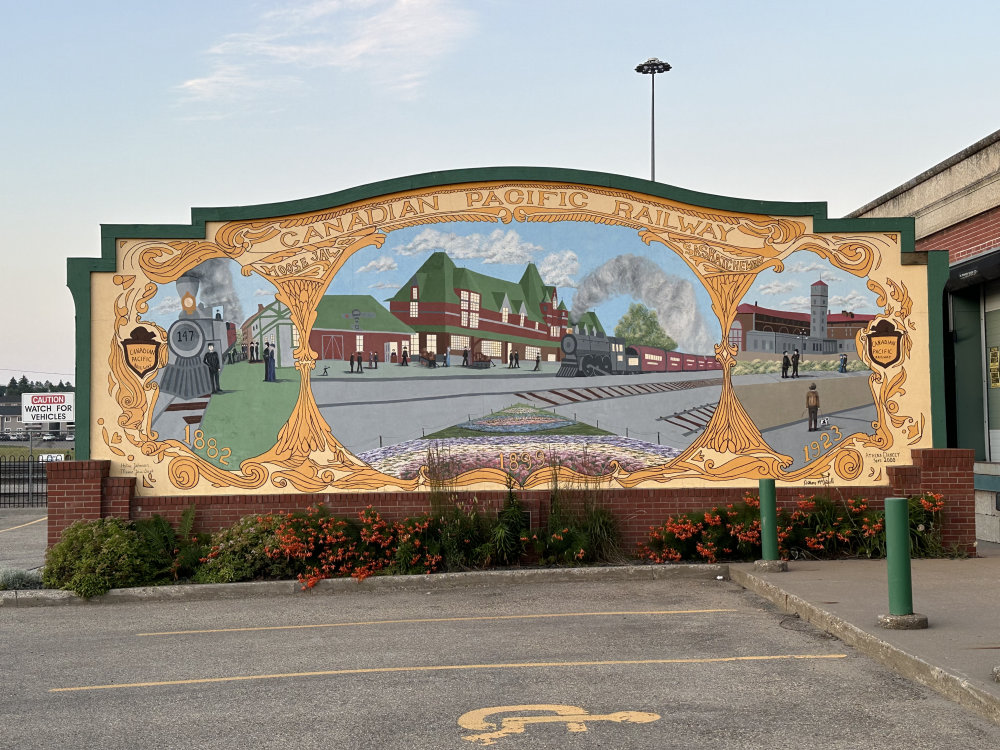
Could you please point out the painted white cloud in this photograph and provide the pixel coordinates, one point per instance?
(263, 292)
(851, 302)
(800, 304)
(379, 265)
(496, 247)
(383, 285)
(830, 276)
(801, 267)
(560, 268)
(777, 287)
(394, 44)
(169, 305)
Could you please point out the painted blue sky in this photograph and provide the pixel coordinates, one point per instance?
(132, 113)
(594, 268)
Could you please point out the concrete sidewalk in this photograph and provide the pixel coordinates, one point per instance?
(956, 655)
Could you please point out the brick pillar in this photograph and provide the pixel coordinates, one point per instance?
(116, 500)
(950, 472)
(74, 493)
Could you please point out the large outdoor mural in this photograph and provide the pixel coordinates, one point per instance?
(482, 333)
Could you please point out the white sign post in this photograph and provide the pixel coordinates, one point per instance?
(47, 407)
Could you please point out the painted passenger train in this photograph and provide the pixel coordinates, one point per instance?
(585, 355)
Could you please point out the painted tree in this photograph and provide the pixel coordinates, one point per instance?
(639, 326)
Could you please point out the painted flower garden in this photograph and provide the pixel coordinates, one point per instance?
(519, 440)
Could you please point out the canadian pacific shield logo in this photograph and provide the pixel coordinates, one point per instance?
(883, 344)
(141, 351)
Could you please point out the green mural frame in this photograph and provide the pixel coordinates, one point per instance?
(79, 270)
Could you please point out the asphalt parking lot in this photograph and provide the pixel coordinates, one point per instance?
(612, 664)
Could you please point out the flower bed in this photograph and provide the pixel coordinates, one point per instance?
(816, 527)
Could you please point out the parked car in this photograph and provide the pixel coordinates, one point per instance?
(48, 437)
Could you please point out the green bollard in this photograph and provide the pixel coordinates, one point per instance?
(768, 520)
(897, 555)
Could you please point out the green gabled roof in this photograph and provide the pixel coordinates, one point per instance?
(591, 320)
(439, 277)
(435, 279)
(533, 286)
(334, 312)
(562, 305)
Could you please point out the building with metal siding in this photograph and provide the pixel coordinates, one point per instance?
(956, 207)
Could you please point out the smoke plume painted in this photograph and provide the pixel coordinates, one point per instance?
(640, 278)
(216, 288)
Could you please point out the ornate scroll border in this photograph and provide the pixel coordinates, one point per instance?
(308, 457)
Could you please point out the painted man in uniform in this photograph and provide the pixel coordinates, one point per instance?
(211, 361)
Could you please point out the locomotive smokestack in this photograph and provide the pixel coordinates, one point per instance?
(216, 278)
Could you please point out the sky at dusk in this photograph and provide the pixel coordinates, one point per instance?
(133, 113)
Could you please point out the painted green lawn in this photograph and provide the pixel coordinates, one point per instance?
(248, 430)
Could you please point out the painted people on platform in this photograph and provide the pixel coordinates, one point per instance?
(538, 362)
(843, 363)
(465, 358)
(812, 406)
(795, 363)
(211, 361)
(352, 361)
(785, 364)
(270, 373)
(406, 358)
(361, 363)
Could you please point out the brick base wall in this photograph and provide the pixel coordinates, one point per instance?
(82, 490)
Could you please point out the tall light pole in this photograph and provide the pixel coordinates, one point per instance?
(651, 67)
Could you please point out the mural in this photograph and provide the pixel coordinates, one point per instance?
(483, 333)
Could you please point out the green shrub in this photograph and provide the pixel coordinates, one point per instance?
(464, 535)
(507, 540)
(171, 555)
(815, 528)
(586, 535)
(94, 557)
(243, 552)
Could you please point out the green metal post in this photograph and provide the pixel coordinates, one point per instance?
(768, 520)
(897, 555)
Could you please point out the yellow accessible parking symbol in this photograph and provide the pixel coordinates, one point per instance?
(574, 717)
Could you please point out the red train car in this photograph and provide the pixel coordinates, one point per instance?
(647, 358)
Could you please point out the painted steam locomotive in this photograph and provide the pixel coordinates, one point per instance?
(586, 355)
(186, 375)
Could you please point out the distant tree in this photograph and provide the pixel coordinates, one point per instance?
(640, 326)
(12, 390)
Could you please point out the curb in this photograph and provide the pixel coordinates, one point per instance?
(331, 586)
(912, 667)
